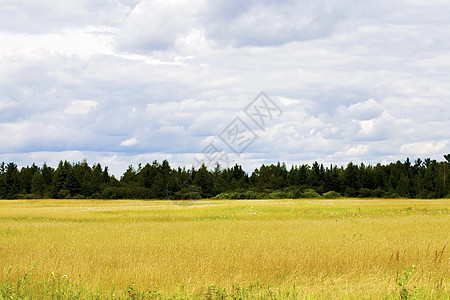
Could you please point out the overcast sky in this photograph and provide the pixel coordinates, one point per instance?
(124, 82)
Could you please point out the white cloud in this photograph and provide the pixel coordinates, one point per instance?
(35, 17)
(365, 81)
(357, 150)
(80, 106)
(130, 142)
(156, 25)
(424, 148)
(267, 23)
(361, 111)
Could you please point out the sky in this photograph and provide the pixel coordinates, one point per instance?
(122, 82)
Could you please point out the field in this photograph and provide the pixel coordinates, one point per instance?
(346, 248)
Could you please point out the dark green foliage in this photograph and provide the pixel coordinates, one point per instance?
(351, 179)
(422, 179)
(63, 194)
(331, 195)
(189, 193)
(310, 194)
(271, 177)
(11, 181)
(365, 193)
(378, 193)
(38, 185)
(204, 180)
(26, 176)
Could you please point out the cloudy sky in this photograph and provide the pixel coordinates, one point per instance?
(131, 81)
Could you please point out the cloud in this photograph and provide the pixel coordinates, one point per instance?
(365, 110)
(36, 17)
(356, 80)
(424, 148)
(129, 142)
(270, 23)
(155, 25)
(80, 106)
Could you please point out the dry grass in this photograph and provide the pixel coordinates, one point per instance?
(337, 248)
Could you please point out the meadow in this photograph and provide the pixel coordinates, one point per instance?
(218, 249)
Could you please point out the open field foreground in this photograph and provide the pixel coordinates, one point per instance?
(225, 249)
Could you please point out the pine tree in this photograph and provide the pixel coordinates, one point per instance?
(38, 184)
(12, 178)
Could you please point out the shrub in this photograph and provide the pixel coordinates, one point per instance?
(365, 193)
(63, 194)
(254, 195)
(350, 192)
(222, 196)
(27, 196)
(310, 194)
(331, 195)
(392, 195)
(188, 193)
(278, 195)
(378, 193)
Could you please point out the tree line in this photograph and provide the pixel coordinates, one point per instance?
(419, 179)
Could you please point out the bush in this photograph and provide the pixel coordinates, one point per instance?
(365, 193)
(310, 194)
(279, 195)
(126, 192)
(350, 192)
(188, 193)
(391, 194)
(27, 196)
(331, 195)
(378, 193)
(296, 193)
(63, 194)
(251, 195)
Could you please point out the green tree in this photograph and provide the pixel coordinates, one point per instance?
(59, 178)
(331, 180)
(96, 180)
(38, 184)
(315, 175)
(72, 182)
(84, 174)
(402, 187)
(164, 179)
(129, 177)
(351, 179)
(12, 177)
(441, 179)
(26, 175)
(47, 173)
(204, 179)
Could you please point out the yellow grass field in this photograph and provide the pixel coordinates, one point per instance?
(346, 248)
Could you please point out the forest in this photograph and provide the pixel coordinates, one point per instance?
(426, 179)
